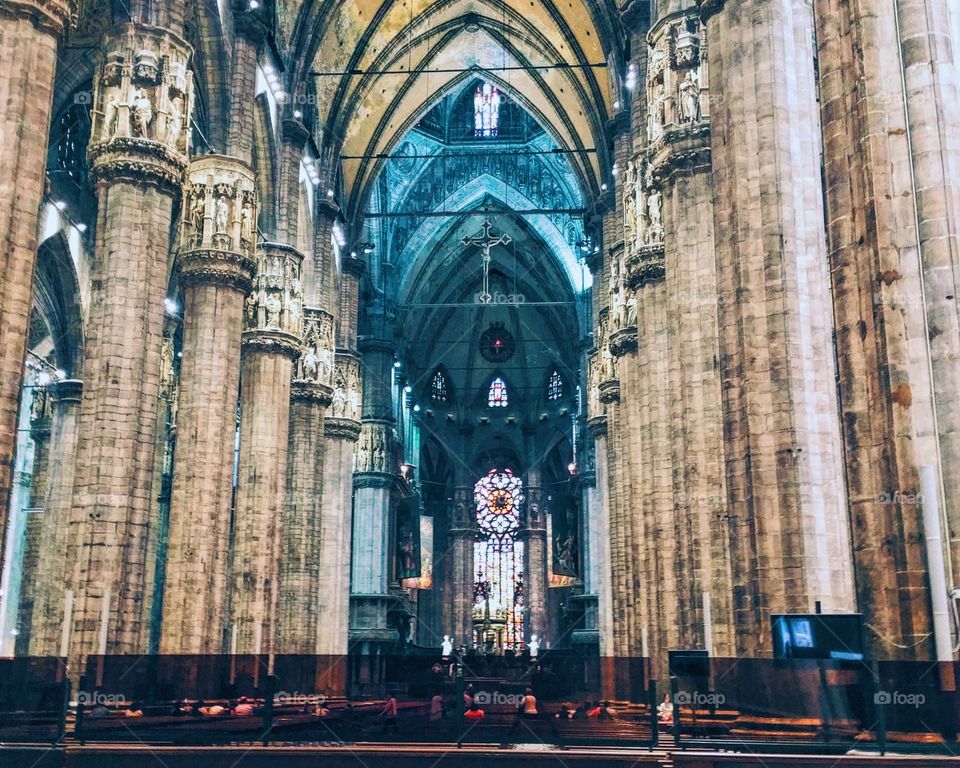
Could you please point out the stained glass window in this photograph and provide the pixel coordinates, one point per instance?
(438, 388)
(486, 111)
(555, 386)
(498, 590)
(497, 396)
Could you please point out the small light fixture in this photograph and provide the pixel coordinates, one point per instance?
(60, 205)
(170, 305)
(397, 364)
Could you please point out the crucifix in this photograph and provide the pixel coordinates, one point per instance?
(485, 242)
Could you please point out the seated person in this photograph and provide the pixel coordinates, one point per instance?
(244, 707)
(474, 713)
(134, 710)
(565, 712)
(607, 712)
(593, 710)
(665, 711)
(99, 710)
(212, 710)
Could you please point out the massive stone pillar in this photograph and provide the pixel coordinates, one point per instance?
(341, 431)
(309, 533)
(375, 487)
(138, 155)
(271, 343)
(52, 557)
(600, 537)
(786, 501)
(36, 519)
(29, 30)
(463, 571)
(217, 264)
(893, 247)
(533, 534)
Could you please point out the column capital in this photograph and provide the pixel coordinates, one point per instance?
(597, 425)
(311, 392)
(645, 266)
(294, 132)
(368, 344)
(347, 389)
(381, 480)
(273, 311)
(143, 99)
(353, 266)
(250, 23)
(710, 8)
(341, 429)
(315, 366)
(623, 341)
(610, 391)
(67, 390)
(46, 15)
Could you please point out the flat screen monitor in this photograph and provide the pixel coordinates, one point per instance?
(818, 636)
(684, 663)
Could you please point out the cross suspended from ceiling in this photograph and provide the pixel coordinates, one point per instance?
(486, 241)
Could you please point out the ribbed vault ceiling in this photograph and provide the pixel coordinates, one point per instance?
(379, 65)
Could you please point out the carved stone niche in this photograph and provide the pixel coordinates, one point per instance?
(374, 452)
(217, 236)
(316, 363)
(273, 310)
(686, 43)
(221, 206)
(47, 15)
(347, 389)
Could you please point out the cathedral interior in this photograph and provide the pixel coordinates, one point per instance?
(562, 343)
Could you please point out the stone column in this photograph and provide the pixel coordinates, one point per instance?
(463, 571)
(600, 549)
(533, 534)
(53, 549)
(374, 484)
(341, 432)
(271, 342)
(785, 492)
(217, 265)
(591, 534)
(138, 155)
(36, 520)
(29, 30)
(308, 531)
(881, 316)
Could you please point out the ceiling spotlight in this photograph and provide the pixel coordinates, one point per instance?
(81, 228)
(170, 305)
(329, 193)
(297, 114)
(416, 409)
(603, 187)
(397, 364)
(253, 5)
(408, 389)
(60, 205)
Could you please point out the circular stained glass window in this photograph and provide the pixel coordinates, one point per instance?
(498, 497)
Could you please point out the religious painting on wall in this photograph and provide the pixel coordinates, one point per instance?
(408, 541)
(564, 540)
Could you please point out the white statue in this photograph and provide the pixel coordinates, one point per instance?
(534, 646)
(142, 109)
(690, 98)
(446, 647)
(655, 214)
(273, 307)
(111, 119)
(246, 222)
(339, 405)
(175, 122)
(310, 364)
(222, 217)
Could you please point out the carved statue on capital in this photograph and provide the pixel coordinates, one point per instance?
(689, 98)
(221, 203)
(315, 364)
(347, 392)
(143, 94)
(374, 449)
(276, 301)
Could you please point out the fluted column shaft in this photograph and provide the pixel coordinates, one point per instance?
(217, 267)
(785, 494)
(463, 571)
(138, 156)
(535, 565)
(28, 58)
(271, 343)
(55, 550)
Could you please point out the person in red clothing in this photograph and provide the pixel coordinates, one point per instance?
(389, 714)
(474, 713)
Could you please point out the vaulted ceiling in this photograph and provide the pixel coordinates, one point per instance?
(379, 65)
